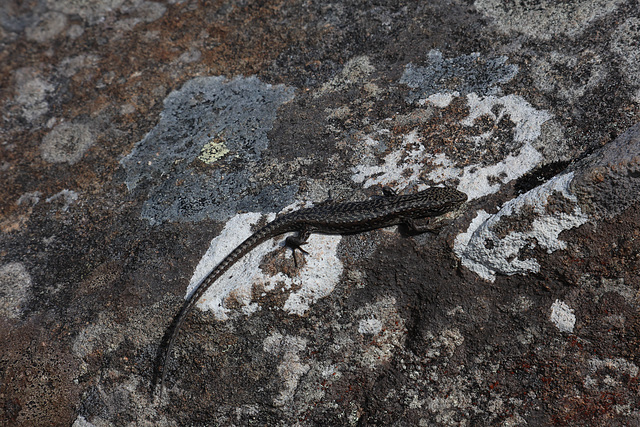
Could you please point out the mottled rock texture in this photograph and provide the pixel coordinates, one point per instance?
(141, 140)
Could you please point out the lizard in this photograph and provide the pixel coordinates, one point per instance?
(326, 218)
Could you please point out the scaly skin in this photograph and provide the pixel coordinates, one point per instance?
(327, 218)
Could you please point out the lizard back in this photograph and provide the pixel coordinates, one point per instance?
(377, 212)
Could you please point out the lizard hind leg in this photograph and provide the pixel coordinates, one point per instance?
(386, 192)
(296, 242)
(425, 225)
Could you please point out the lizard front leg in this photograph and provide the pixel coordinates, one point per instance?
(295, 242)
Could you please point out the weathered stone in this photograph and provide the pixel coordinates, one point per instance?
(141, 140)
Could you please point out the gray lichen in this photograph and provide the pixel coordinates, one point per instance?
(242, 110)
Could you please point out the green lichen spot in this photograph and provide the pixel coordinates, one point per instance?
(213, 150)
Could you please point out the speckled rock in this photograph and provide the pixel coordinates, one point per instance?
(141, 141)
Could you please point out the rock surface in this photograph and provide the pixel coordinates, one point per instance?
(142, 140)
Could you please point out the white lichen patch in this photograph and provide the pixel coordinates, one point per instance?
(370, 325)
(291, 367)
(89, 10)
(383, 329)
(548, 19)
(624, 43)
(355, 71)
(31, 198)
(408, 161)
(478, 180)
(81, 421)
(66, 143)
(527, 119)
(483, 250)
(340, 113)
(550, 74)
(562, 316)
(101, 333)
(47, 27)
(68, 197)
(602, 285)
(399, 165)
(609, 373)
(440, 100)
(71, 65)
(620, 365)
(106, 333)
(31, 93)
(15, 282)
(443, 344)
(315, 279)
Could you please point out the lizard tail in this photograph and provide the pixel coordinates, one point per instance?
(164, 350)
